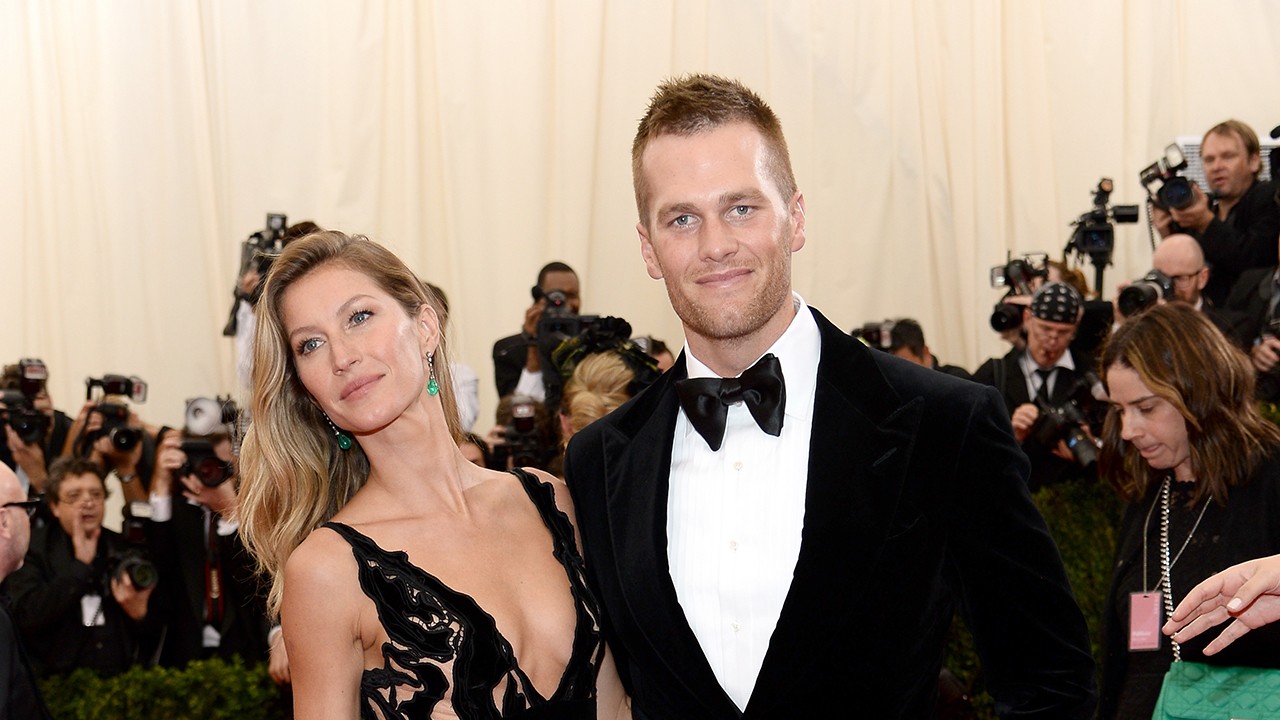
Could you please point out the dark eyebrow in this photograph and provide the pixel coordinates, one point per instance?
(736, 197)
(342, 310)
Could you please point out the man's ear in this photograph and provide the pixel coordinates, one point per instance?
(797, 221)
(647, 252)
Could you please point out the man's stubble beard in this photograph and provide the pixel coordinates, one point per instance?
(736, 322)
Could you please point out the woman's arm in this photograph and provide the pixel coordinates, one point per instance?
(320, 624)
(612, 702)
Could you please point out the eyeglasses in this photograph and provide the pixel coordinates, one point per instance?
(30, 506)
(1184, 279)
(76, 496)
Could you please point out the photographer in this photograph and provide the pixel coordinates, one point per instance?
(82, 596)
(1241, 232)
(34, 432)
(1046, 375)
(211, 600)
(254, 265)
(1179, 275)
(109, 433)
(520, 366)
(906, 340)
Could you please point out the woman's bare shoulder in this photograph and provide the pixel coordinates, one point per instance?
(322, 563)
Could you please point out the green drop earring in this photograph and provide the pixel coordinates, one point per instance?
(344, 440)
(433, 388)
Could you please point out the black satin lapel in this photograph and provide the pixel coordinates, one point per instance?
(637, 472)
(861, 442)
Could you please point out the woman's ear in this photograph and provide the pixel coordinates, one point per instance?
(428, 329)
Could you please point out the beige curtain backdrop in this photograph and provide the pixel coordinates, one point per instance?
(142, 140)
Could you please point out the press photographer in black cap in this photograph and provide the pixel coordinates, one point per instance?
(1047, 389)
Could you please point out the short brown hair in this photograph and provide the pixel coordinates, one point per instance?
(66, 467)
(693, 104)
(1180, 355)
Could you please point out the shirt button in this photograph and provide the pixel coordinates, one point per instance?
(735, 627)
(737, 465)
(733, 544)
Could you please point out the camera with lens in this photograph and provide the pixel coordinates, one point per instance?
(203, 463)
(1145, 292)
(20, 412)
(1165, 186)
(115, 415)
(522, 440)
(1066, 421)
(876, 334)
(1094, 234)
(132, 559)
(559, 322)
(260, 249)
(1017, 274)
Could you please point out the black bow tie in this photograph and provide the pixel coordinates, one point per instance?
(706, 401)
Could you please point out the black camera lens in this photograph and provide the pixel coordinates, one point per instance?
(1176, 193)
(1082, 448)
(1006, 316)
(142, 572)
(125, 439)
(212, 471)
(1137, 297)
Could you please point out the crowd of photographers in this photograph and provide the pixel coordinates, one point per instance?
(134, 554)
(1217, 251)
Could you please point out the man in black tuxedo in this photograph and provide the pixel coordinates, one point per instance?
(792, 542)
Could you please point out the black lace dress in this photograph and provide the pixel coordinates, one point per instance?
(441, 643)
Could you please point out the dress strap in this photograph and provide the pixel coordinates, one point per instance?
(543, 496)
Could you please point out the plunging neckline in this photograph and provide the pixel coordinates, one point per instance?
(437, 584)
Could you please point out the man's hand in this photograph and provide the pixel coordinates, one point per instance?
(1197, 215)
(28, 456)
(1161, 220)
(84, 539)
(220, 499)
(1024, 416)
(1265, 354)
(169, 457)
(532, 316)
(132, 600)
(1248, 592)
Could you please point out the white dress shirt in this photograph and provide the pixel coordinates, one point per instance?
(1029, 367)
(734, 517)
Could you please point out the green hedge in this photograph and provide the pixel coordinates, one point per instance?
(204, 690)
(1083, 518)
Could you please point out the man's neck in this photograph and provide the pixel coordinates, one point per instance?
(1225, 204)
(728, 357)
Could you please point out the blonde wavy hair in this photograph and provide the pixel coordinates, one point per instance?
(598, 386)
(293, 476)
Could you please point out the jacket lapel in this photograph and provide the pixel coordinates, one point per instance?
(637, 466)
(859, 450)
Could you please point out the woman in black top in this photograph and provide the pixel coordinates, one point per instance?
(1184, 444)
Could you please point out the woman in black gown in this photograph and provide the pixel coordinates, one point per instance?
(410, 582)
(1184, 444)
